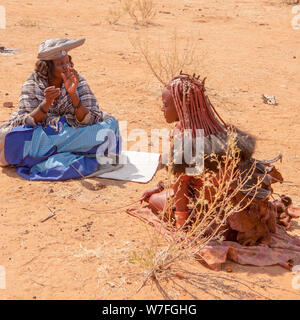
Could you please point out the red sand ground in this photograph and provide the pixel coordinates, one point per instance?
(248, 48)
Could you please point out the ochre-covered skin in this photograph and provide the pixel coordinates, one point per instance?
(252, 226)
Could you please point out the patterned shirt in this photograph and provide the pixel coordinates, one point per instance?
(32, 95)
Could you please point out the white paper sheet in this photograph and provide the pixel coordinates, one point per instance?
(137, 167)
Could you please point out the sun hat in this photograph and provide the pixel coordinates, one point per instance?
(51, 49)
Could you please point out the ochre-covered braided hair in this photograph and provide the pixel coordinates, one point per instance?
(193, 107)
(195, 111)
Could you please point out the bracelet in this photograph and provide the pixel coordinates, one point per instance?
(79, 105)
(42, 110)
(181, 218)
(181, 215)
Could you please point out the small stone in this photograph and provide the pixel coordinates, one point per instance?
(8, 104)
(50, 190)
(269, 100)
(111, 284)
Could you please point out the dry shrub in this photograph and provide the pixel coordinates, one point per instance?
(207, 222)
(291, 2)
(114, 15)
(141, 11)
(169, 59)
(28, 23)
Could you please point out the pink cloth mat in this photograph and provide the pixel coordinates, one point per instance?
(283, 250)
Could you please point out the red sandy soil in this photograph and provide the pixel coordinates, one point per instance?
(247, 48)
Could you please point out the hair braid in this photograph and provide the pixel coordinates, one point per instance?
(193, 107)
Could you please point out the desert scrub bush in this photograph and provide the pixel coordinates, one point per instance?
(114, 14)
(207, 222)
(28, 23)
(141, 11)
(291, 2)
(170, 58)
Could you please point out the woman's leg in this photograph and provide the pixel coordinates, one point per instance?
(159, 201)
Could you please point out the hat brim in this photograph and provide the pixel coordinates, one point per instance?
(52, 53)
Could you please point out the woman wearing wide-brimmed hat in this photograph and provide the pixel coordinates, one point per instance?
(58, 117)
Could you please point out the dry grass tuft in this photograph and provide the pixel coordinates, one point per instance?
(141, 12)
(114, 15)
(28, 23)
(291, 2)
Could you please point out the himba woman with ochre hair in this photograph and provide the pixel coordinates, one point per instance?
(186, 104)
(54, 134)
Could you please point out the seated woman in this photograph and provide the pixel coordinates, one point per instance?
(185, 103)
(58, 131)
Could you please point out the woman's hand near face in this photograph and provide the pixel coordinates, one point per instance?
(51, 93)
(71, 79)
